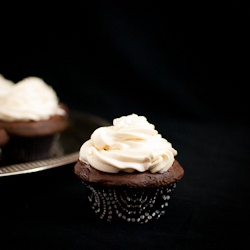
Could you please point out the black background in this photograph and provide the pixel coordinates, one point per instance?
(181, 66)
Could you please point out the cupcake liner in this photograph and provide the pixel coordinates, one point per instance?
(129, 204)
(25, 149)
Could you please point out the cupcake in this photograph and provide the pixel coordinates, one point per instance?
(129, 170)
(33, 117)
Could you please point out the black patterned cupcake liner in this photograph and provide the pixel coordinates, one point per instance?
(139, 205)
(25, 149)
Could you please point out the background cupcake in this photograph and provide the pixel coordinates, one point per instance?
(32, 116)
(129, 170)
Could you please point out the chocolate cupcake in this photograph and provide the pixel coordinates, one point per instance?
(32, 116)
(129, 171)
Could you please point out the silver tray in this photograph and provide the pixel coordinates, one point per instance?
(66, 148)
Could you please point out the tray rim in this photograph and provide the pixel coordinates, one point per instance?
(35, 166)
(52, 162)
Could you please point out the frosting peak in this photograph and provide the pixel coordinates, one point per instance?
(29, 100)
(132, 143)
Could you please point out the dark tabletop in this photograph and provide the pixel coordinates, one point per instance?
(209, 208)
(179, 66)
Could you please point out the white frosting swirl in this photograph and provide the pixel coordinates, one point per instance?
(29, 100)
(132, 143)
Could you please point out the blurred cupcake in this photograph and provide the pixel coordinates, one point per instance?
(32, 116)
(129, 170)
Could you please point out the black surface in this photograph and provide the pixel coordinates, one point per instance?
(209, 207)
(183, 68)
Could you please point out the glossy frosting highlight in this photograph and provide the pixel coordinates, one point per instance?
(132, 143)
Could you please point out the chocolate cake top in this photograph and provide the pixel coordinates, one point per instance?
(87, 173)
(56, 123)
